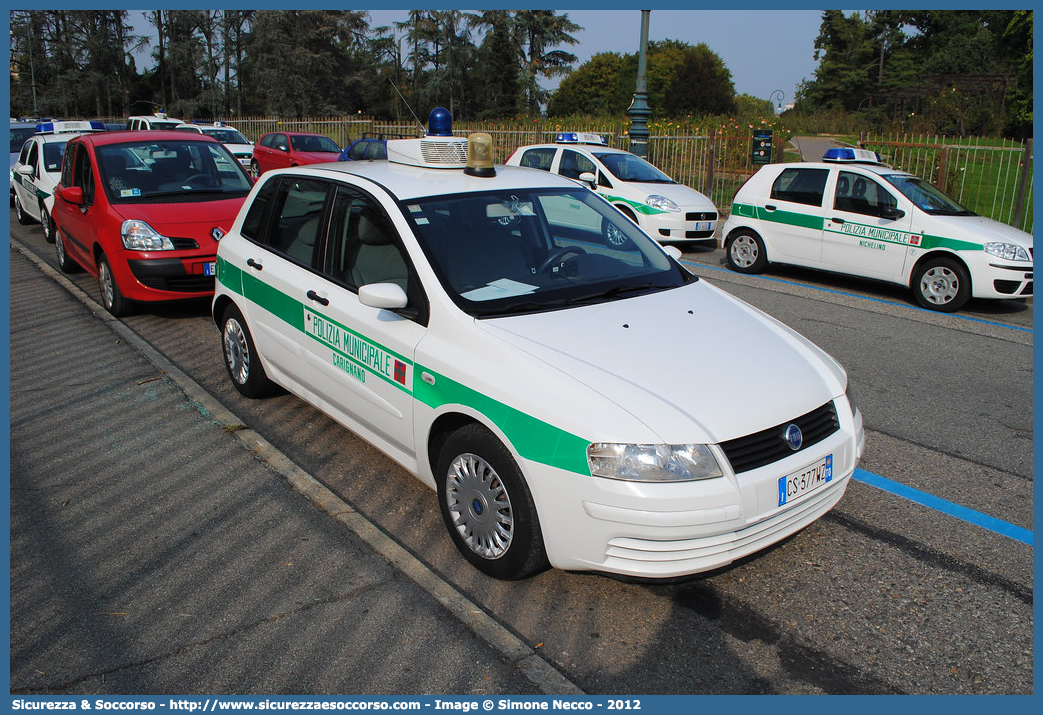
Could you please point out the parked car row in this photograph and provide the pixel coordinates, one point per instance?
(488, 327)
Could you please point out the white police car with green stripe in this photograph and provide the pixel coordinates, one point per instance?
(479, 327)
(852, 214)
(668, 211)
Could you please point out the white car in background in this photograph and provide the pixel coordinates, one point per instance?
(853, 214)
(241, 147)
(37, 169)
(667, 211)
(479, 325)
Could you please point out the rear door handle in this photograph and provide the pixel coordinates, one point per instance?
(312, 295)
(837, 220)
(256, 265)
(769, 207)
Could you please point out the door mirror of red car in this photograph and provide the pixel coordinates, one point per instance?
(282, 147)
(72, 195)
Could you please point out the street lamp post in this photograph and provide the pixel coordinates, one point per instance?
(639, 112)
(782, 96)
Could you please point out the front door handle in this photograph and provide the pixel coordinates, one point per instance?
(837, 220)
(312, 295)
(256, 265)
(770, 207)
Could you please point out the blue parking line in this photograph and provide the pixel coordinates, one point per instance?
(863, 297)
(946, 507)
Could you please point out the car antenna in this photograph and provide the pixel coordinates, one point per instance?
(407, 106)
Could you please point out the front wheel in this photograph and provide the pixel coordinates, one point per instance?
(487, 507)
(942, 284)
(241, 361)
(19, 212)
(111, 297)
(255, 171)
(744, 252)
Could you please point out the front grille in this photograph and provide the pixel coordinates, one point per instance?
(698, 234)
(1028, 290)
(1006, 287)
(707, 216)
(767, 446)
(180, 284)
(184, 244)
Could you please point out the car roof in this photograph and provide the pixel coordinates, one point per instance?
(409, 182)
(880, 169)
(297, 134)
(137, 137)
(579, 147)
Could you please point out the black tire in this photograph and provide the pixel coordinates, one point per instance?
(111, 297)
(475, 470)
(241, 360)
(19, 212)
(48, 224)
(941, 284)
(744, 252)
(66, 264)
(255, 170)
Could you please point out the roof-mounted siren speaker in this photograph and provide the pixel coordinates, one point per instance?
(438, 150)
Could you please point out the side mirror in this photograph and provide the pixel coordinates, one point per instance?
(891, 212)
(388, 296)
(283, 147)
(71, 194)
(588, 177)
(673, 251)
(24, 170)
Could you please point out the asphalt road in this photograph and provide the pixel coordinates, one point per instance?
(880, 596)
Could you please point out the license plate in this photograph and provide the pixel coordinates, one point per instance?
(210, 269)
(702, 225)
(806, 480)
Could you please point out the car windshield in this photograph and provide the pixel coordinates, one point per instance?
(18, 137)
(926, 196)
(197, 170)
(628, 167)
(226, 136)
(528, 251)
(313, 142)
(154, 124)
(52, 156)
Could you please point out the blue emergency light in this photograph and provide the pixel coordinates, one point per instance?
(580, 138)
(851, 155)
(440, 123)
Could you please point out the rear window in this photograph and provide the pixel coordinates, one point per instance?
(801, 186)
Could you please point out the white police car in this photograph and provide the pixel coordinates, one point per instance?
(852, 214)
(477, 325)
(152, 122)
(241, 147)
(668, 211)
(38, 168)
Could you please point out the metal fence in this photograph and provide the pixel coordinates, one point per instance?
(990, 177)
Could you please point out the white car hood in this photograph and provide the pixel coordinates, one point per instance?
(686, 197)
(977, 229)
(694, 364)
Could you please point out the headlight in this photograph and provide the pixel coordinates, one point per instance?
(652, 462)
(662, 203)
(1007, 251)
(139, 236)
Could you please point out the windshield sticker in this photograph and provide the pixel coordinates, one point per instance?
(124, 193)
(503, 288)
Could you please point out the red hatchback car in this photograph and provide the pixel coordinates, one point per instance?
(278, 150)
(143, 211)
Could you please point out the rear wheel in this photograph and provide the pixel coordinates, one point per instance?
(241, 361)
(48, 224)
(744, 252)
(255, 171)
(487, 507)
(942, 284)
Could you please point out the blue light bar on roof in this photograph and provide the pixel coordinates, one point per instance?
(69, 127)
(580, 138)
(850, 154)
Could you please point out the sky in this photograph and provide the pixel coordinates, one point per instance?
(765, 50)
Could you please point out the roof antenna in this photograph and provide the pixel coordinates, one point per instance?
(422, 129)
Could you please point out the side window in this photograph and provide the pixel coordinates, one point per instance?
(538, 158)
(279, 141)
(266, 140)
(861, 195)
(84, 174)
(363, 246)
(67, 161)
(23, 155)
(358, 151)
(377, 150)
(254, 221)
(33, 159)
(296, 222)
(801, 186)
(573, 164)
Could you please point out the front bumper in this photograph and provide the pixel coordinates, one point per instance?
(173, 278)
(993, 277)
(670, 530)
(687, 225)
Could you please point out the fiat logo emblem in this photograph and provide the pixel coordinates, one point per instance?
(794, 437)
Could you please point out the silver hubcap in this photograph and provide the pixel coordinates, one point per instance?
(236, 351)
(108, 290)
(479, 506)
(18, 208)
(744, 251)
(59, 247)
(46, 223)
(939, 285)
(614, 235)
